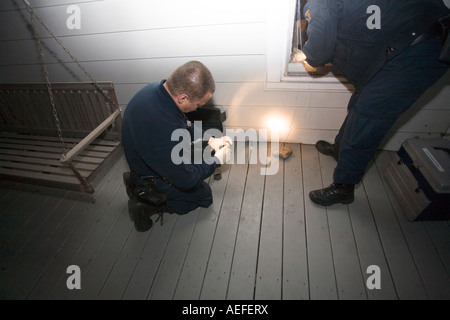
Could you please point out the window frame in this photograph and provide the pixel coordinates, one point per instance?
(280, 28)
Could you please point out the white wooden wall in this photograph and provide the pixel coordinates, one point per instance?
(134, 42)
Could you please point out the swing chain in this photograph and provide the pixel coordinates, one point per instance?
(47, 78)
(34, 15)
(52, 33)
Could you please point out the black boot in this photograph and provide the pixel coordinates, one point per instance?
(128, 179)
(141, 214)
(335, 193)
(328, 149)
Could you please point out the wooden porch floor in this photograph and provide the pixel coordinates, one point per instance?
(261, 239)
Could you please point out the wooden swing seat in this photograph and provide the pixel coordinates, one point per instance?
(30, 146)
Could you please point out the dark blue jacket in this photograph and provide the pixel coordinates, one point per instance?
(338, 32)
(149, 120)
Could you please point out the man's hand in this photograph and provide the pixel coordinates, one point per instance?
(299, 57)
(224, 154)
(218, 143)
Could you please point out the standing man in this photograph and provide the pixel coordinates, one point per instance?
(156, 183)
(389, 50)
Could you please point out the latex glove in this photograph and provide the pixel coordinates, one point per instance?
(299, 57)
(224, 154)
(217, 143)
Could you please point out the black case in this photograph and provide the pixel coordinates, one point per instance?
(419, 176)
(210, 116)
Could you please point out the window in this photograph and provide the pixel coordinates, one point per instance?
(286, 33)
(299, 38)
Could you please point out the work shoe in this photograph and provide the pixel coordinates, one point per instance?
(335, 193)
(129, 183)
(141, 214)
(328, 149)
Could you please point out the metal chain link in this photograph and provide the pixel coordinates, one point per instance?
(52, 33)
(41, 55)
(47, 79)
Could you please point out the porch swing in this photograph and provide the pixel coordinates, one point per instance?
(57, 134)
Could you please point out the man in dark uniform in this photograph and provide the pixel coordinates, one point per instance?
(150, 119)
(389, 52)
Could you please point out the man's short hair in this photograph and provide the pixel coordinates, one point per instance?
(192, 78)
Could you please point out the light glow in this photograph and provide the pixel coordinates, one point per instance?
(278, 124)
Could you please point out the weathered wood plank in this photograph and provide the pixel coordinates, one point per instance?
(140, 283)
(43, 233)
(46, 116)
(67, 111)
(191, 278)
(73, 141)
(3, 194)
(14, 216)
(92, 246)
(216, 279)
(100, 265)
(440, 235)
(245, 259)
(349, 274)
(19, 277)
(84, 242)
(23, 105)
(295, 255)
(31, 105)
(370, 249)
(124, 266)
(39, 176)
(81, 146)
(322, 280)
(71, 234)
(53, 144)
(268, 285)
(165, 281)
(429, 264)
(53, 163)
(50, 245)
(46, 169)
(401, 265)
(58, 151)
(53, 156)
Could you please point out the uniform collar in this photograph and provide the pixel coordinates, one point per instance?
(170, 103)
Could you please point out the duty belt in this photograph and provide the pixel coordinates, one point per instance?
(439, 29)
(156, 176)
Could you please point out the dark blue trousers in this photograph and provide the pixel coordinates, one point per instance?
(374, 110)
(184, 201)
